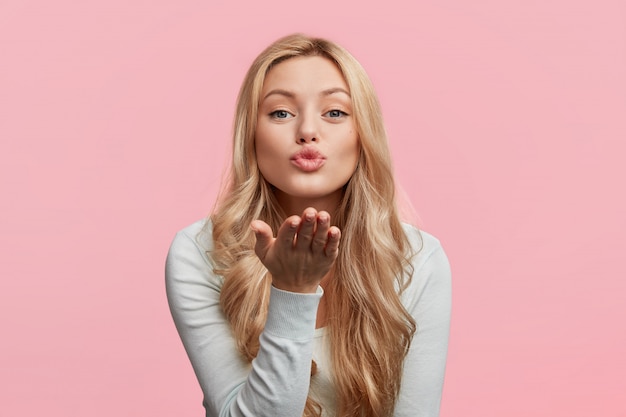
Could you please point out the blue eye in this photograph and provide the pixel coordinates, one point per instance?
(336, 114)
(280, 114)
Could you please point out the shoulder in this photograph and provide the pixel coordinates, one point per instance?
(196, 236)
(423, 245)
(199, 231)
(188, 258)
(430, 274)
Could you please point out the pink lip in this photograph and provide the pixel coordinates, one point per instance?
(308, 159)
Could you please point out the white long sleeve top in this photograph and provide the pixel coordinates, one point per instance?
(278, 381)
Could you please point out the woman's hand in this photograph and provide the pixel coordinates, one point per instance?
(302, 253)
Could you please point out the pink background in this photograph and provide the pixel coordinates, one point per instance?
(507, 121)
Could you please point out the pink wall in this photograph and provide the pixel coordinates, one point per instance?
(508, 125)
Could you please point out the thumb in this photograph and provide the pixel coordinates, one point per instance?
(264, 237)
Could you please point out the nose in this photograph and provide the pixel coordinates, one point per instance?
(304, 140)
(307, 130)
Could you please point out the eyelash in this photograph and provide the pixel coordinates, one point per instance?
(275, 113)
(341, 113)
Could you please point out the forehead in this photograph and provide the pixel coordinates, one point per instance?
(304, 74)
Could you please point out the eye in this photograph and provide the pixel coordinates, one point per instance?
(280, 114)
(336, 114)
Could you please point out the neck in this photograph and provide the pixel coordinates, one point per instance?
(296, 205)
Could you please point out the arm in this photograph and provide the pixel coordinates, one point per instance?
(428, 299)
(277, 382)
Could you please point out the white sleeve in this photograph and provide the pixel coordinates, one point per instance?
(277, 382)
(428, 299)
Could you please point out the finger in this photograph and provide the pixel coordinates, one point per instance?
(332, 245)
(287, 231)
(321, 232)
(306, 230)
(264, 237)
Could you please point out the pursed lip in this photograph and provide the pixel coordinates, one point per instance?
(308, 159)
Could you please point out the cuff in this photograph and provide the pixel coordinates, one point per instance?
(292, 315)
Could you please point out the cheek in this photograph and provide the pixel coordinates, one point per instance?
(268, 157)
(352, 148)
(262, 144)
(268, 136)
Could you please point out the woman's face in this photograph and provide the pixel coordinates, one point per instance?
(306, 142)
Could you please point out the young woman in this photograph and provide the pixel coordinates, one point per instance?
(303, 293)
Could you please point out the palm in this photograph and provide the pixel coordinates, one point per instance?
(302, 253)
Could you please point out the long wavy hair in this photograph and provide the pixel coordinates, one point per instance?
(369, 329)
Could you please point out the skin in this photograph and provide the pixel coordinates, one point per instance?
(305, 103)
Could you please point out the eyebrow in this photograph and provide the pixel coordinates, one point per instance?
(333, 91)
(279, 92)
(289, 94)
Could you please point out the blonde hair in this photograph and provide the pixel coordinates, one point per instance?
(369, 330)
